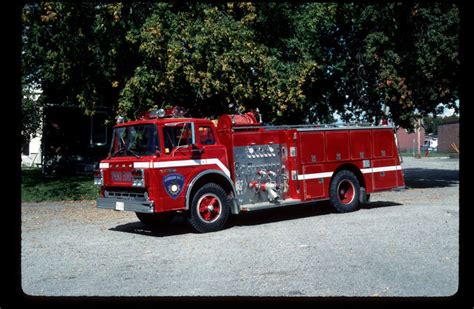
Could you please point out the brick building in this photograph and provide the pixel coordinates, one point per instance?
(408, 142)
(448, 134)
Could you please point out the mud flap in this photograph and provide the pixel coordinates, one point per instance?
(363, 196)
(234, 208)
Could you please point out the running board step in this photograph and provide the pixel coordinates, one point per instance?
(267, 205)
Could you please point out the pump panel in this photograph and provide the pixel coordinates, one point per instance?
(256, 166)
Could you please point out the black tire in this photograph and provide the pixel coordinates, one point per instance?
(210, 209)
(344, 192)
(155, 219)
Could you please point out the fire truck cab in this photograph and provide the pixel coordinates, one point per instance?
(163, 164)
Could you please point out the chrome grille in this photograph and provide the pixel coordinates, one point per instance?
(142, 196)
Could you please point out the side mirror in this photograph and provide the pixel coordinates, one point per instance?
(195, 148)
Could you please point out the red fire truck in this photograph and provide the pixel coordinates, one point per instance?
(163, 164)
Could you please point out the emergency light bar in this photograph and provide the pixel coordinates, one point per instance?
(172, 112)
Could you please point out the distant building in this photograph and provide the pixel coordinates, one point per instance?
(447, 135)
(31, 153)
(408, 142)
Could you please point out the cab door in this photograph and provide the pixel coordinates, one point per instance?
(177, 138)
(175, 166)
(207, 147)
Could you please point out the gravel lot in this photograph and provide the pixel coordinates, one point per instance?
(401, 244)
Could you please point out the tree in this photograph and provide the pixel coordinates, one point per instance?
(296, 62)
(77, 54)
(403, 68)
(200, 57)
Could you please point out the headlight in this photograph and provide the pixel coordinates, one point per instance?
(138, 178)
(138, 183)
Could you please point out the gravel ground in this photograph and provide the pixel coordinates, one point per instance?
(401, 244)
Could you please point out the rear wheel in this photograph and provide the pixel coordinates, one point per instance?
(155, 219)
(344, 191)
(210, 208)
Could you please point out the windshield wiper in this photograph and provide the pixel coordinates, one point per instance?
(133, 152)
(126, 149)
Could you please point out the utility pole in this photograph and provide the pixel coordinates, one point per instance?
(418, 146)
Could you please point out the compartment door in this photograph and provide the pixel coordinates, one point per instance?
(313, 182)
(361, 144)
(383, 143)
(337, 143)
(312, 148)
(384, 173)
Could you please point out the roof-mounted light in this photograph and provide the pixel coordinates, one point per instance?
(154, 114)
(172, 112)
(161, 113)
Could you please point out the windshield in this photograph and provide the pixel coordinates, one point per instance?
(137, 140)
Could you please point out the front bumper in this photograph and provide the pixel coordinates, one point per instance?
(125, 204)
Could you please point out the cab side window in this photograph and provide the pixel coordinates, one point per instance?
(176, 135)
(206, 136)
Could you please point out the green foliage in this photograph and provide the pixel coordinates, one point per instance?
(401, 66)
(194, 58)
(296, 62)
(77, 53)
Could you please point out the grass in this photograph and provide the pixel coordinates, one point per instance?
(35, 187)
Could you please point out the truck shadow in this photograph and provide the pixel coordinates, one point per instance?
(179, 226)
(423, 178)
(296, 212)
(418, 178)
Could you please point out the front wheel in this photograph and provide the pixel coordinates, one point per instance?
(210, 208)
(344, 191)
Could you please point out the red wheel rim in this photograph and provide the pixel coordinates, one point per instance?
(346, 192)
(209, 207)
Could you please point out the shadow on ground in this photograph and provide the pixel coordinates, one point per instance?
(296, 212)
(422, 178)
(179, 226)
